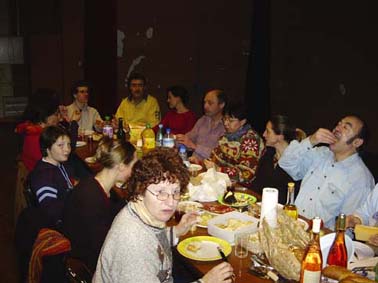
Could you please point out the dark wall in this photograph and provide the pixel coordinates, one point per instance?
(199, 44)
(324, 62)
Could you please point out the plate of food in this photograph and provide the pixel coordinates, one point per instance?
(203, 248)
(80, 143)
(239, 200)
(217, 208)
(204, 217)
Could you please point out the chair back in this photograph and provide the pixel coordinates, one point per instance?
(77, 271)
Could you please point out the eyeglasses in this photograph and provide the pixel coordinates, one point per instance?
(164, 195)
(229, 119)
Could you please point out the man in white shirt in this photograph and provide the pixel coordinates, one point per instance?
(334, 179)
(89, 117)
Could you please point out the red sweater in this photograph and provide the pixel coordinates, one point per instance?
(179, 123)
(31, 151)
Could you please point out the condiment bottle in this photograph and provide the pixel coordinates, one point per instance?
(148, 137)
(338, 254)
(311, 268)
(290, 208)
(120, 134)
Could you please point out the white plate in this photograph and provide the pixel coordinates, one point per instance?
(80, 143)
(362, 250)
(326, 243)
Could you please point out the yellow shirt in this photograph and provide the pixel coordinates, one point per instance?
(146, 111)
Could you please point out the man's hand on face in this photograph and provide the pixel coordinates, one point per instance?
(322, 136)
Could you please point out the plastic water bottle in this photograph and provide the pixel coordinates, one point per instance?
(168, 140)
(184, 155)
(159, 136)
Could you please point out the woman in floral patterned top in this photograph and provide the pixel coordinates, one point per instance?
(239, 150)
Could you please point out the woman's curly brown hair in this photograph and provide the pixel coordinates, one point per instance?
(161, 164)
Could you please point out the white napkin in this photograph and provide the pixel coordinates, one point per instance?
(269, 207)
(213, 185)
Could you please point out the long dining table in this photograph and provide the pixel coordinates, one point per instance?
(240, 265)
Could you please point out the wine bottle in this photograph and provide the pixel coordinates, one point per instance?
(311, 268)
(338, 254)
(120, 133)
(290, 208)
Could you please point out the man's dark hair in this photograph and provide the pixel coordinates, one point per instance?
(179, 91)
(135, 76)
(43, 103)
(80, 83)
(49, 136)
(363, 134)
(222, 97)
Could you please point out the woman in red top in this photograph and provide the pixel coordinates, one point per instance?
(41, 111)
(179, 119)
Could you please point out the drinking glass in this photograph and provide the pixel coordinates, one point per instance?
(241, 245)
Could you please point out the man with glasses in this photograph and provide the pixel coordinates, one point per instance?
(334, 179)
(139, 108)
(87, 117)
(208, 129)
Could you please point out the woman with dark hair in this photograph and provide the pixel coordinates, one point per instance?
(90, 209)
(179, 119)
(41, 111)
(138, 245)
(50, 180)
(279, 132)
(239, 150)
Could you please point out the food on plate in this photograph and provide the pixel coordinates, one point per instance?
(233, 224)
(194, 247)
(204, 218)
(343, 275)
(217, 208)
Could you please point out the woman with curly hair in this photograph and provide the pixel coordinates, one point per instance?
(138, 245)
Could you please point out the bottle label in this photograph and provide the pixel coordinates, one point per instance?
(107, 130)
(149, 143)
(311, 276)
(168, 142)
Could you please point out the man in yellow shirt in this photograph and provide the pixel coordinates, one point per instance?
(139, 108)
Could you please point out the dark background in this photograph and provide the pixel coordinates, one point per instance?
(314, 61)
(311, 61)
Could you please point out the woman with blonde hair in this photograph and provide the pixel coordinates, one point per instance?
(90, 209)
